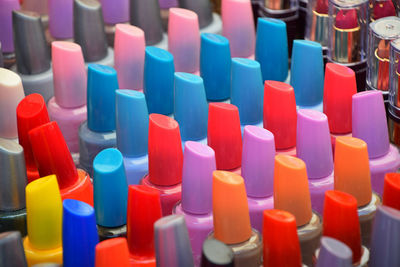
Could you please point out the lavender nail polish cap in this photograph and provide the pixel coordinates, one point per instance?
(369, 122)
(198, 166)
(334, 253)
(115, 11)
(6, 29)
(314, 143)
(61, 18)
(258, 161)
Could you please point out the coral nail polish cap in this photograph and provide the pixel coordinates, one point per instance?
(61, 19)
(6, 30)
(115, 11)
(216, 254)
(112, 252)
(334, 253)
(391, 190)
(165, 151)
(11, 249)
(224, 135)
(280, 115)
(202, 9)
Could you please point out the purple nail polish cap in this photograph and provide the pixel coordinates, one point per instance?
(314, 143)
(334, 253)
(369, 122)
(166, 4)
(198, 166)
(258, 161)
(61, 18)
(115, 11)
(6, 31)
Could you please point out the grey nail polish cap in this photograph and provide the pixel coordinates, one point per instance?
(215, 254)
(11, 250)
(12, 176)
(172, 242)
(334, 253)
(385, 241)
(146, 15)
(202, 9)
(1, 57)
(89, 30)
(31, 50)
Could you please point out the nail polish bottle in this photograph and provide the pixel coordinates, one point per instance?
(98, 132)
(196, 204)
(232, 220)
(31, 113)
(110, 192)
(370, 125)
(315, 149)
(281, 243)
(334, 253)
(216, 254)
(112, 252)
(342, 223)
(132, 125)
(60, 21)
(44, 220)
(6, 31)
(184, 40)
(258, 172)
(78, 221)
(114, 12)
(129, 50)
(280, 115)
(158, 85)
(11, 250)
(33, 61)
(13, 181)
(165, 160)
(307, 74)
(191, 108)
(53, 157)
(68, 106)
(89, 32)
(385, 238)
(144, 209)
(215, 67)
(224, 136)
(391, 191)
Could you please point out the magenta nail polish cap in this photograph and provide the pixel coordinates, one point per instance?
(369, 122)
(313, 141)
(115, 11)
(6, 31)
(258, 159)
(61, 18)
(334, 253)
(198, 166)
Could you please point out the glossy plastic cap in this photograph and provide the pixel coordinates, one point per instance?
(11, 249)
(391, 190)
(115, 11)
(216, 254)
(112, 252)
(334, 253)
(61, 18)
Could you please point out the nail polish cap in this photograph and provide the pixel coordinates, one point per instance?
(159, 80)
(129, 50)
(172, 242)
(215, 66)
(115, 11)
(69, 74)
(28, 29)
(369, 122)
(31, 113)
(89, 30)
(216, 254)
(281, 243)
(258, 159)
(144, 209)
(224, 135)
(334, 253)
(230, 208)
(6, 29)
(132, 123)
(101, 86)
(52, 155)
(184, 39)
(280, 115)
(61, 18)
(385, 243)
(339, 87)
(291, 192)
(11, 249)
(11, 93)
(112, 252)
(12, 176)
(198, 166)
(341, 220)
(247, 90)
(352, 172)
(314, 145)
(146, 15)
(391, 190)
(44, 213)
(382, 9)
(201, 7)
(191, 108)
(165, 151)
(110, 188)
(79, 221)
